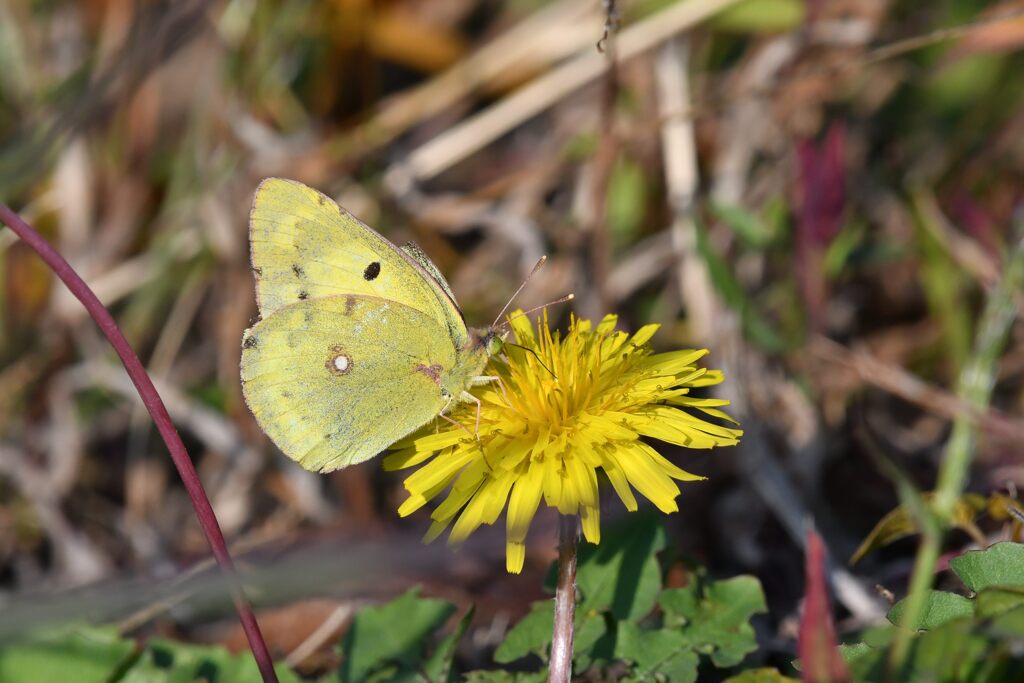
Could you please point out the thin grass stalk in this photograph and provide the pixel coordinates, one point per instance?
(560, 665)
(155, 406)
(974, 387)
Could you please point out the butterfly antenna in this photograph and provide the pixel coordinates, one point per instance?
(533, 272)
(535, 355)
(567, 297)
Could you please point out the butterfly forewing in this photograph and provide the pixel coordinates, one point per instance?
(304, 246)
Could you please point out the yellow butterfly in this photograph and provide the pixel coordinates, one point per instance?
(359, 343)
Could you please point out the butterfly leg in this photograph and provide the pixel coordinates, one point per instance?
(457, 424)
(501, 386)
(468, 397)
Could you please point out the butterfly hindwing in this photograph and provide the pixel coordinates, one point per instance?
(335, 380)
(304, 246)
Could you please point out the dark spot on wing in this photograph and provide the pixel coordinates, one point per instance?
(258, 271)
(303, 295)
(321, 200)
(297, 269)
(372, 271)
(286, 394)
(250, 342)
(350, 304)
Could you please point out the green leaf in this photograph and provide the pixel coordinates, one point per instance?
(84, 655)
(749, 228)
(438, 668)
(391, 633)
(1007, 626)
(997, 600)
(627, 200)
(502, 676)
(840, 249)
(589, 641)
(167, 661)
(665, 653)
(764, 16)
(755, 326)
(622, 575)
(999, 565)
(716, 619)
(851, 653)
(939, 607)
(765, 675)
(530, 636)
(902, 522)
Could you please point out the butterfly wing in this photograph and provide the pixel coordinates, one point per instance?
(335, 380)
(305, 246)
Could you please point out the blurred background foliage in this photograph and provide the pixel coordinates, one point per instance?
(787, 182)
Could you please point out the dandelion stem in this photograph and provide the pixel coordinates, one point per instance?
(560, 666)
(153, 403)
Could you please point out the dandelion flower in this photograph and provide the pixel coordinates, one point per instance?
(563, 410)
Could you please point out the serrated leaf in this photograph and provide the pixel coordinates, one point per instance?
(393, 632)
(530, 636)
(168, 661)
(85, 655)
(766, 675)
(999, 565)
(438, 668)
(622, 575)
(716, 621)
(664, 653)
(939, 607)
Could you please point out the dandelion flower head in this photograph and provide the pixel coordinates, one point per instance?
(564, 409)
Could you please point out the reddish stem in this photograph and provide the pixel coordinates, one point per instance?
(155, 406)
(817, 645)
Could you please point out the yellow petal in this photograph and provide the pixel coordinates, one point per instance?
(590, 516)
(439, 471)
(458, 497)
(436, 529)
(411, 504)
(515, 555)
(552, 468)
(644, 334)
(619, 482)
(670, 469)
(523, 502)
(674, 362)
(648, 479)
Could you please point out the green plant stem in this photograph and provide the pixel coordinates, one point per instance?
(560, 665)
(974, 387)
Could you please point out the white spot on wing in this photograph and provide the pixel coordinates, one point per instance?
(341, 363)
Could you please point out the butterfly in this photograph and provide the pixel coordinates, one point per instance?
(359, 342)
